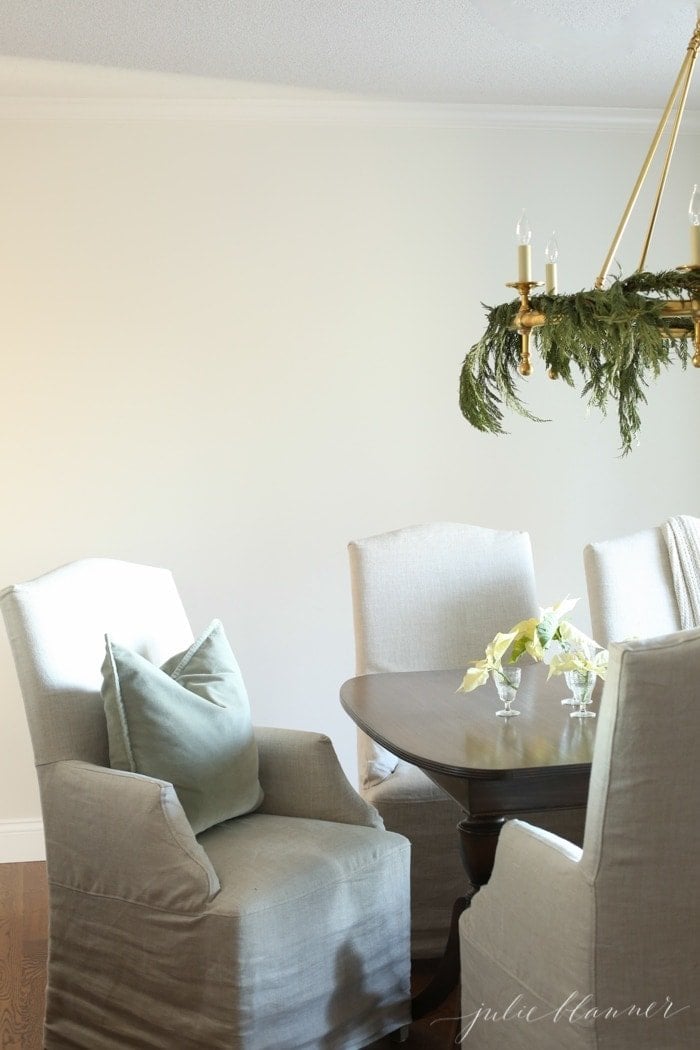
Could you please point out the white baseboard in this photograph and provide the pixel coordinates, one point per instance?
(21, 840)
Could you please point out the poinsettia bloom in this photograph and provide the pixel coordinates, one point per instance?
(560, 610)
(599, 661)
(573, 636)
(535, 634)
(527, 640)
(579, 660)
(551, 620)
(475, 676)
(496, 649)
(478, 673)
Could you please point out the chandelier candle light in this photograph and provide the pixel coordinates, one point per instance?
(694, 213)
(619, 334)
(551, 254)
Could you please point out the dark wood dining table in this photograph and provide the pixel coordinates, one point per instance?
(495, 768)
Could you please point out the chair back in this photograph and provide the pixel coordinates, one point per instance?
(433, 596)
(630, 587)
(56, 626)
(641, 848)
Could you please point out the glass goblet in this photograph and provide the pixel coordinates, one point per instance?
(506, 679)
(582, 683)
(569, 701)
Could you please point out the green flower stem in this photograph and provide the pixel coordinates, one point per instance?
(503, 675)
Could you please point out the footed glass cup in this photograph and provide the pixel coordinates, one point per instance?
(506, 679)
(581, 686)
(569, 701)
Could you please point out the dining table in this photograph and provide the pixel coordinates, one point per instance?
(496, 768)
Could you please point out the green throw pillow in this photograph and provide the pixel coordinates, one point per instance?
(187, 722)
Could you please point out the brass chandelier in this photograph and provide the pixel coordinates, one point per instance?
(619, 334)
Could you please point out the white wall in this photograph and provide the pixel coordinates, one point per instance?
(230, 347)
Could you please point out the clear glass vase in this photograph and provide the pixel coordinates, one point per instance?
(581, 686)
(569, 701)
(506, 679)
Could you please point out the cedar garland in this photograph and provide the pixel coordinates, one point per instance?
(615, 337)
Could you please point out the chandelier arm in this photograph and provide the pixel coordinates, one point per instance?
(687, 61)
(691, 56)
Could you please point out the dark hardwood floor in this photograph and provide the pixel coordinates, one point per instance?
(438, 1030)
(23, 919)
(23, 926)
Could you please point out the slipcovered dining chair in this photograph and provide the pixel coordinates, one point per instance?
(286, 926)
(630, 587)
(597, 948)
(428, 597)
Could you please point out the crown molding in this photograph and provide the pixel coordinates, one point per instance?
(360, 113)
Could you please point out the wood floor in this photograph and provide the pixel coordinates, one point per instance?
(23, 917)
(437, 1031)
(23, 925)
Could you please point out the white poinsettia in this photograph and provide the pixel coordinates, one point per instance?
(534, 635)
(552, 619)
(562, 608)
(574, 638)
(550, 638)
(580, 660)
(526, 640)
(480, 670)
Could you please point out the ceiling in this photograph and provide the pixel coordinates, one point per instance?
(617, 53)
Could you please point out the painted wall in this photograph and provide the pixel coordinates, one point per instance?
(229, 347)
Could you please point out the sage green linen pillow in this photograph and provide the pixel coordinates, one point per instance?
(187, 722)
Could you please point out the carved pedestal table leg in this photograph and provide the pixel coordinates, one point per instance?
(477, 841)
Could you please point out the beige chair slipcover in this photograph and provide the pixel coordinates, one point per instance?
(285, 928)
(630, 587)
(428, 597)
(602, 944)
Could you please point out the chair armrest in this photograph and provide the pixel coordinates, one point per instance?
(301, 777)
(120, 834)
(530, 856)
(539, 898)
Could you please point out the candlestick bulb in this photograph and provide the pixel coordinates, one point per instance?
(551, 252)
(694, 216)
(694, 206)
(523, 230)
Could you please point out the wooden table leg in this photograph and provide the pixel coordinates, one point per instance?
(447, 974)
(477, 840)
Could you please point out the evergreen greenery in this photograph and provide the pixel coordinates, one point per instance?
(615, 337)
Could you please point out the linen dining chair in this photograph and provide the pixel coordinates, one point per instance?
(427, 597)
(284, 922)
(630, 587)
(597, 948)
